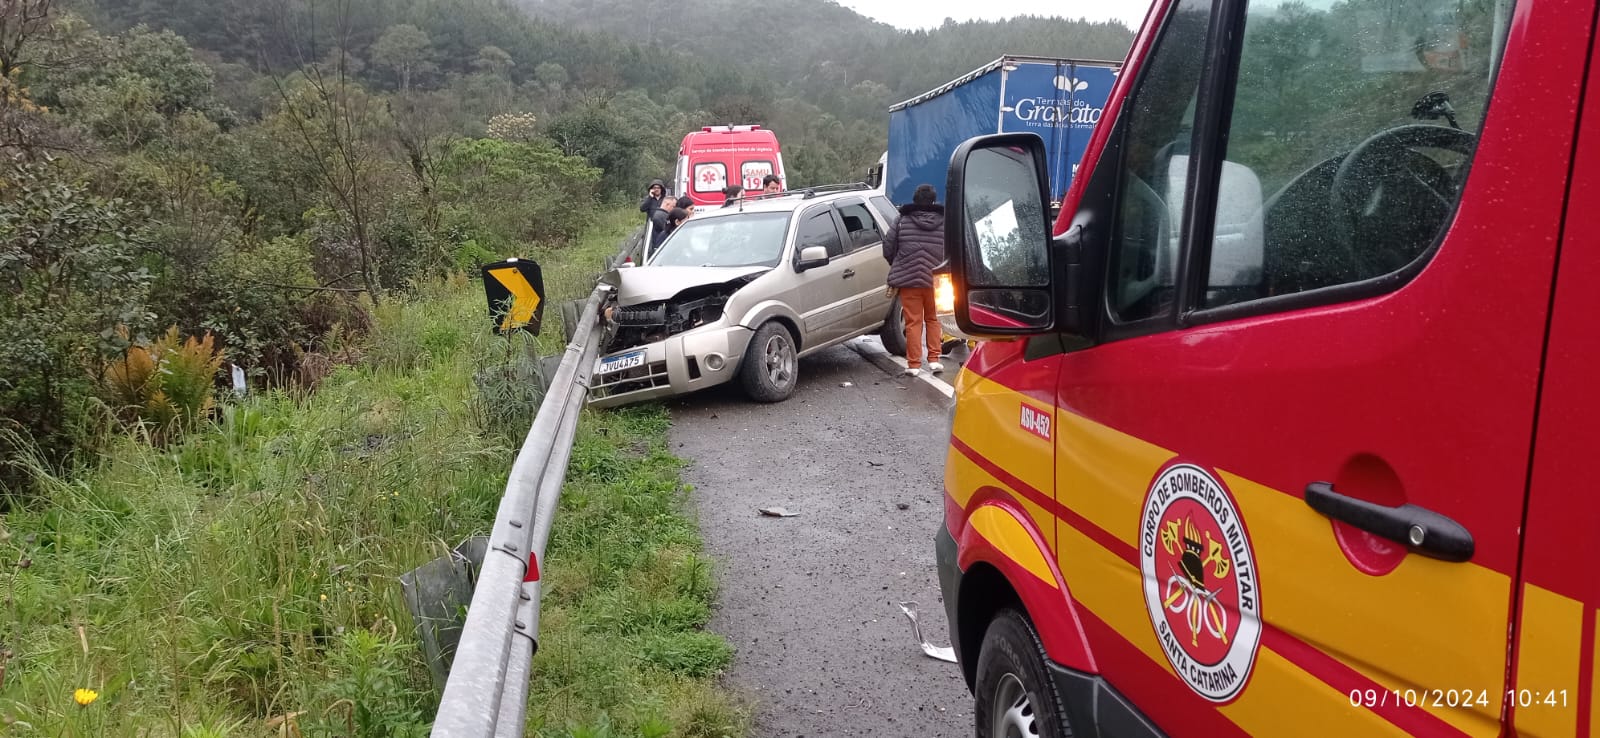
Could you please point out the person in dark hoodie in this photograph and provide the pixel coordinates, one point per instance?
(914, 247)
(652, 198)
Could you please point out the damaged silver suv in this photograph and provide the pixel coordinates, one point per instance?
(742, 292)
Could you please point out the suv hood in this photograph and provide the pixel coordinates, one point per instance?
(637, 285)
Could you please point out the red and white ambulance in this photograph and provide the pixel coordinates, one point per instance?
(1283, 427)
(714, 157)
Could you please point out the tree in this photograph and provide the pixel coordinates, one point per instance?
(405, 50)
(598, 133)
(71, 291)
(20, 22)
(551, 75)
(494, 60)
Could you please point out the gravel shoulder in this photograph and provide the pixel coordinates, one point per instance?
(809, 602)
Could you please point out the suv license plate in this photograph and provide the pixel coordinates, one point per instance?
(620, 362)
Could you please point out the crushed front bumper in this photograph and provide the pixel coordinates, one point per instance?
(675, 366)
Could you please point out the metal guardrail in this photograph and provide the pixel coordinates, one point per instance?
(486, 693)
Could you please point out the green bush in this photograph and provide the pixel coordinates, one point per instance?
(71, 289)
(514, 192)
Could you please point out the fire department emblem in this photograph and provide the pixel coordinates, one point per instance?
(1200, 582)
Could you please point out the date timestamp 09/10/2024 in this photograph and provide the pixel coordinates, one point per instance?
(1467, 698)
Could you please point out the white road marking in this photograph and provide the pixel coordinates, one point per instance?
(872, 349)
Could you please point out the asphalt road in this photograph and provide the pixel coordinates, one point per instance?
(809, 602)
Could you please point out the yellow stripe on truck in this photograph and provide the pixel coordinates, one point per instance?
(1594, 681)
(1308, 588)
(1547, 664)
(1281, 695)
(1002, 531)
(963, 478)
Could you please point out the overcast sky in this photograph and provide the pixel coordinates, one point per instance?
(930, 13)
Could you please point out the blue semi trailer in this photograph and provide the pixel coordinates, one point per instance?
(1059, 99)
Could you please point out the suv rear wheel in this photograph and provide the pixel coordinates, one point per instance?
(1013, 695)
(770, 368)
(893, 332)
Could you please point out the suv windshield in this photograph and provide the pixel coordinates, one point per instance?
(755, 239)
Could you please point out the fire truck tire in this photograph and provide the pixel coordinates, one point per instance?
(770, 368)
(1013, 694)
(893, 332)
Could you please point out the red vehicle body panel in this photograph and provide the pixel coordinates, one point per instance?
(1466, 391)
(711, 159)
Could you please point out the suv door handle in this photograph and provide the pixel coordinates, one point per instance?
(1421, 530)
(848, 273)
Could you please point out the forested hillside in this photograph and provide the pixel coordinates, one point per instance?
(817, 48)
(260, 171)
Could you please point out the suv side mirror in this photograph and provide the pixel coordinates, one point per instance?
(997, 233)
(811, 257)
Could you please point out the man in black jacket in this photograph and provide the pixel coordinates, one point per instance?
(914, 247)
(652, 198)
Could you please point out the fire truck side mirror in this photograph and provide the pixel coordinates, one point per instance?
(997, 236)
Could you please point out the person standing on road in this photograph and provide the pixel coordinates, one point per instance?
(653, 197)
(914, 247)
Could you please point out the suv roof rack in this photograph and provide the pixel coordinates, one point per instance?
(811, 192)
(805, 193)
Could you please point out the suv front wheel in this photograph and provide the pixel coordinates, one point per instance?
(1014, 696)
(770, 367)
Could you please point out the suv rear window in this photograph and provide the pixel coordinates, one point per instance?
(858, 222)
(884, 208)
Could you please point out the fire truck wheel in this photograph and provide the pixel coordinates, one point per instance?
(1014, 696)
(770, 368)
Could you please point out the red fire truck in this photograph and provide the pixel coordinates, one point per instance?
(1282, 427)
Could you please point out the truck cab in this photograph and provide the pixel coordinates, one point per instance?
(1280, 428)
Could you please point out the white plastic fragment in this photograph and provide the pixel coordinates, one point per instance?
(942, 653)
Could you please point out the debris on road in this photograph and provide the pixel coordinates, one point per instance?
(944, 653)
(846, 384)
(777, 512)
(902, 506)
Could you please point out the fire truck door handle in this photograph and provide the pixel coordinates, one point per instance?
(1419, 529)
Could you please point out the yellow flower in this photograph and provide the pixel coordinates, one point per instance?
(324, 597)
(85, 697)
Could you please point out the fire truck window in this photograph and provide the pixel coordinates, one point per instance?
(818, 230)
(710, 177)
(1150, 203)
(859, 224)
(1353, 124)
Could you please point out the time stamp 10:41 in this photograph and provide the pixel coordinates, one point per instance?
(1467, 698)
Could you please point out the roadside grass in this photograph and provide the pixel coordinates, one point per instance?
(244, 582)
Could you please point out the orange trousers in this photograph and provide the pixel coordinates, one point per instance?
(922, 319)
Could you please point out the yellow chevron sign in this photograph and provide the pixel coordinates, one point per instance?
(515, 289)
